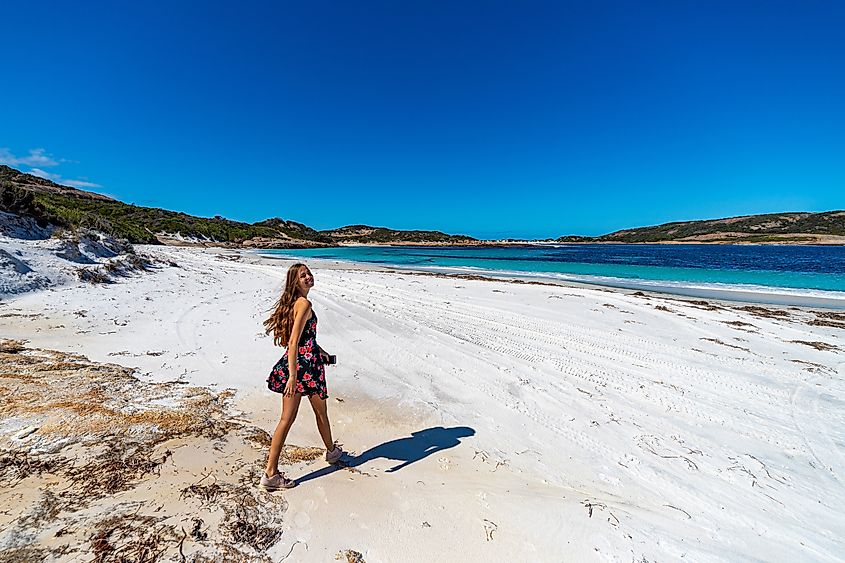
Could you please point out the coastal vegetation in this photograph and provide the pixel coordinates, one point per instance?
(772, 227)
(48, 202)
(363, 234)
(71, 208)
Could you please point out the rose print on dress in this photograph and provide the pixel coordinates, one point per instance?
(310, 372)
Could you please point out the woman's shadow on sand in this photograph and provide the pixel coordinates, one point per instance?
(418, 445)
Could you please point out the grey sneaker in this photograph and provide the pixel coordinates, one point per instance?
(334, 455)
(276, 482)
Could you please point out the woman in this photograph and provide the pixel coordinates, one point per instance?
(294, 323)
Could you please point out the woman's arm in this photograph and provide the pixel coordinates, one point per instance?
(323, 353)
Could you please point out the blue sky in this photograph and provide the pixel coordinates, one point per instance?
(524, 119)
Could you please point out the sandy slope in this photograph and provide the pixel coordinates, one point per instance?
(540, 422)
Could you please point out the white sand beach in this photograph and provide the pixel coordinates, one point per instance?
(485, 420)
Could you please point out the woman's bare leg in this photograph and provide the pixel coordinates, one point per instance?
(322, 416)
(290, 406)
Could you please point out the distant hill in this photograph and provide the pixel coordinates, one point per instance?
(48, 202)
(575, 238)
(806, 228)
(67, 207)
(364, 234)
(42, 186)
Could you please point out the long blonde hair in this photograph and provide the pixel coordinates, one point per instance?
(281, 319)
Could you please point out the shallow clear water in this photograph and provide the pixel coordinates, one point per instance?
(820, 268)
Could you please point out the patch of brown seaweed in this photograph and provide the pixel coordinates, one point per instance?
(88, 467)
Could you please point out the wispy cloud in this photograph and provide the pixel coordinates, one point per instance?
(36, 158)
(46, 175)
(78, 183)
(81, 184)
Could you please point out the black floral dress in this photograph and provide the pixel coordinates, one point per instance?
(310, 371)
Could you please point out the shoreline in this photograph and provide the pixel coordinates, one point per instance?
(296, 244)
(787, 297)
(840, 241)
(837, 241)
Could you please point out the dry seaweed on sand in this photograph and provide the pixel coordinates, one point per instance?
(247, 526)
(822, 346)
(721, 342)
(207, 493)
(132, 538)
(705, 305)
(831, 315)
(764, 312)
(25, 553)
(114, 471)
(827, 321)
(259, 437)
(694, 303)
(349, 556)
(19, 464)
(97, 464)
(297, 454)
(11, 346)
(737, 323)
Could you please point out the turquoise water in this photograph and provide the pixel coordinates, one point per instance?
(813, 268)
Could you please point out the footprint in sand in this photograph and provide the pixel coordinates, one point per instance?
(482, 498)
(302, 519)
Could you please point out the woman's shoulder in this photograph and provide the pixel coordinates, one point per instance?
(301, 303)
